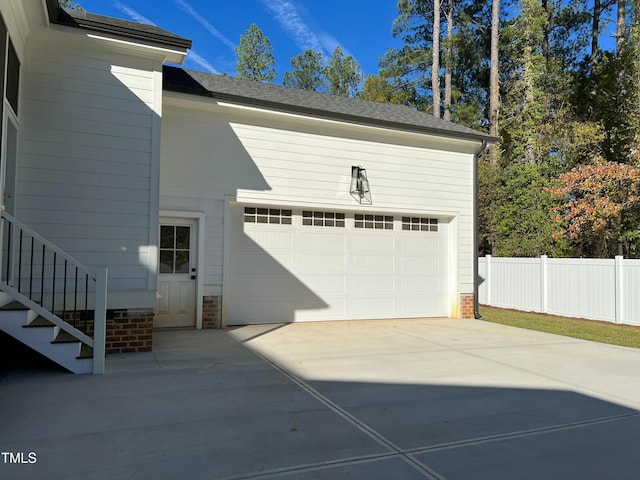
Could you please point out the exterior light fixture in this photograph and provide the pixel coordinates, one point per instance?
(360, 185)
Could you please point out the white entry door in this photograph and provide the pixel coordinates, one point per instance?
(177, 274)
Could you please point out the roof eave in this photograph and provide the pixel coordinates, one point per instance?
(58, 16)
(285, 108)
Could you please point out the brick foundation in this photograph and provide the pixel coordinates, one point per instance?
(128, 330)
(211, 312)
(467, 305)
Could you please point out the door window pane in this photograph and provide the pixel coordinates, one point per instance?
(182, 238)
(182, 261)
(175, 244)
(166, 261)
(166, 236)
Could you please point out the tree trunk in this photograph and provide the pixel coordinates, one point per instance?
(435, 64)
(545, 33)
(528, 79)
(636, 8)
(494, 86)
(595, 33)
(448, 60)
(621, 26)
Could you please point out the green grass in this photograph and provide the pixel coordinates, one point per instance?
(604, 332)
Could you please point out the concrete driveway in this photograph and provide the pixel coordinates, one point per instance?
(405, 399)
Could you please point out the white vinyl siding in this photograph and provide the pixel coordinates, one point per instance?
(189, 181)
(88, 120)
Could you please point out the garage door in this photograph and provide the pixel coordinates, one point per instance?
(291, 265)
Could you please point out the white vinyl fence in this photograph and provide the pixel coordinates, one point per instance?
(595, 289)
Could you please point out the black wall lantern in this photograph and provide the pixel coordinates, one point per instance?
(360, 185)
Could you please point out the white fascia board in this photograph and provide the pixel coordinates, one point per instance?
(129, 47)
(169, 55)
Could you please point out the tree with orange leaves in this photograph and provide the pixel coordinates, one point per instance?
(600, 212)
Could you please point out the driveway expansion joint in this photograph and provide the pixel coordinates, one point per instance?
(520, 434)
(394, 450)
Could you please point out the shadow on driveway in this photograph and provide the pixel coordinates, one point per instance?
(203, 405)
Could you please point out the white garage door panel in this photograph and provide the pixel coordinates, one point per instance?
(420, 245)
(426, 286)
(419, 265)
(373, 264)
(337, 310)
(373, 243)
(268, 239)
(269, 285)
(327, 285)
(422, 307)
(292, 273)
(259, 263)
(324, 241)
(378, 306)
(373, 284)
(314, 262)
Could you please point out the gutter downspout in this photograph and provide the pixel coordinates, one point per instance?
(476, 312)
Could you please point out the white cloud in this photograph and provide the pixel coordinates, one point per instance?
(192, 56)
(205, 23)
(329, 43)
(286, 13)
(135, 16)
(201, 62)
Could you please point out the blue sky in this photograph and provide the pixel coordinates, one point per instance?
(362, 28)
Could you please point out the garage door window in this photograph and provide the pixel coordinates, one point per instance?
(420, 224)
(379, 222)
(267, 215)
(323, 219)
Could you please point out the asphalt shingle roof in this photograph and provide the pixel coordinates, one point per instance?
(295, 100)
(115, 26)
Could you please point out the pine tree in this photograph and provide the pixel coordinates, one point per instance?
(71, 4)
(307, 72)
(254, 57)
(343, 74)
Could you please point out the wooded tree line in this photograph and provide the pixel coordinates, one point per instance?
(542, 76)
(337, 75)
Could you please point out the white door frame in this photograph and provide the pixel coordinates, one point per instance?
(199, 217)
(229, 201)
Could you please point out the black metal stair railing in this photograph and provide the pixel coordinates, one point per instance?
(45, 276)
(57, 285)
